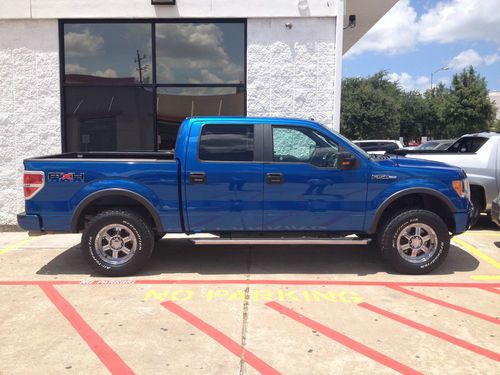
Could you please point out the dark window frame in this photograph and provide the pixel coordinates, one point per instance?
(153, 85)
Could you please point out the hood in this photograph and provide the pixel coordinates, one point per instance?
(426, 165)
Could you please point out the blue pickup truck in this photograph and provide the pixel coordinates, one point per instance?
(248, 181)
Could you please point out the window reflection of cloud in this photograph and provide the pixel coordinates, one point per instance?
(184, 48)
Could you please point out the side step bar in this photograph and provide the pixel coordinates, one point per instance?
(282, 241)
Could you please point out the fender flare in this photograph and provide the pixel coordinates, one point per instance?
(437, 194)
(114, 192)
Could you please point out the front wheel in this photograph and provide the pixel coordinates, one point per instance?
(117, 243)
(415, 241)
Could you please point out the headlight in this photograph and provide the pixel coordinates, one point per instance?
(462, 188)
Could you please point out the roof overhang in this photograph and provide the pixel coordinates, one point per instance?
(368, 13)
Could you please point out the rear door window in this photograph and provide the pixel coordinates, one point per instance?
(227, 143)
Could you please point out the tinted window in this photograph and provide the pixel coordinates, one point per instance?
(111, 54)
(303, 145)
(227, 143)
(468, 144)
(174, 104)
(387, 146)
(200, 53)
(109, 119)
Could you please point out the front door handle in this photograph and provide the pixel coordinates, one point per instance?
(197, 178)
(274, 178)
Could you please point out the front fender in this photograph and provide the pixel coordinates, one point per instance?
(381, 201)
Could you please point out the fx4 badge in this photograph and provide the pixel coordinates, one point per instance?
(383, 177)
(65, 177)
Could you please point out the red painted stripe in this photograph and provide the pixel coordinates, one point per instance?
(221, 338)
(492, 290)
(434, 332)
(446, 304)
(342, 339)
(254, 282)
(107, 356)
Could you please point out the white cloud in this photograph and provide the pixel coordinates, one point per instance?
(108, 73)
(457, 20)
(75, 69)
(466, 58)
(197, 48)
(472, 57)
(408, 83)
(448, 21)
(82, 43)
(396, 32)
(491, 59)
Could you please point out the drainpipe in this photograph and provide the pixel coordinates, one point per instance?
(339, 44)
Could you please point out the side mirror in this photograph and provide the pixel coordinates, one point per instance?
(347, 161)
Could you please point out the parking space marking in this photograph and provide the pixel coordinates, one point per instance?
(485, 277)
(477, 252)
(492, 290)
(446, 304)
(221, 338)
(342, 339)
(103, 351)
(431, 331)
(17, 245)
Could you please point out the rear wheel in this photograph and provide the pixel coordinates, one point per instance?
(415, 241)
(477, 205)
(117, 243)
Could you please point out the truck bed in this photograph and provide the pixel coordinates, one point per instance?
(119, 155)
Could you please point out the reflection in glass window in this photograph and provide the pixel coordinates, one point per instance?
(109, 119)
(226, 143)
(302, 145)
(99, 53)
(174, 104)
(200, 53)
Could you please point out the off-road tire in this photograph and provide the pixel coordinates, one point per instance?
(392, 227)
(133, 222)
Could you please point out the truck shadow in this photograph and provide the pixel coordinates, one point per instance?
(180, 256)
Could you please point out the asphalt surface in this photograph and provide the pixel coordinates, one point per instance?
(248, 310)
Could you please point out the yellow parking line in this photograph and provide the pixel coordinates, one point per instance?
(479, 234)
(485, 277)
(17, 245)
(477, 252)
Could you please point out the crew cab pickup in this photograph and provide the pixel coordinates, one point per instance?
(247, 181)
(479, 156)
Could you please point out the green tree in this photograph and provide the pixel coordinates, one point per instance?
(435, 122)
(370, 107)
(468, 108)
(414, 115)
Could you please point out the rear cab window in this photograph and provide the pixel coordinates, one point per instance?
(468, 144)
(230, 143)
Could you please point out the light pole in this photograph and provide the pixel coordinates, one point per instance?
(438, 70)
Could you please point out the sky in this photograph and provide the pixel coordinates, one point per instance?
(417, 37)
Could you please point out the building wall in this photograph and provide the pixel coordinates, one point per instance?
(291, 71)
(29, 103)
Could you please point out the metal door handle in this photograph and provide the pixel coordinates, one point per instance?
(197, 178)
(274, 178)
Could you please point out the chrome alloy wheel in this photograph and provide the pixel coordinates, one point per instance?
(115, 244)
(417, 243)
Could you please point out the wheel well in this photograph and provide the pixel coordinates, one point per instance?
(419, 200)
(109, 202)
(478, 191)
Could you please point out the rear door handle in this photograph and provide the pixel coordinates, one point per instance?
(197, 178)
(274, 178)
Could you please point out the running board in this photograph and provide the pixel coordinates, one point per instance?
(282, 241)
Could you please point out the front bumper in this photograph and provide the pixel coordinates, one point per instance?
(28, 222)
(462, 221)
(495, 212)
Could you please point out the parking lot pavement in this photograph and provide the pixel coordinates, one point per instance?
(248, 310)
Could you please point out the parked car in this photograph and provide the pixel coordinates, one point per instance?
(479, 156)
(379, 147)
(248, 181)
(435, 144)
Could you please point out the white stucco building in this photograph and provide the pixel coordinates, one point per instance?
(120, 75)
